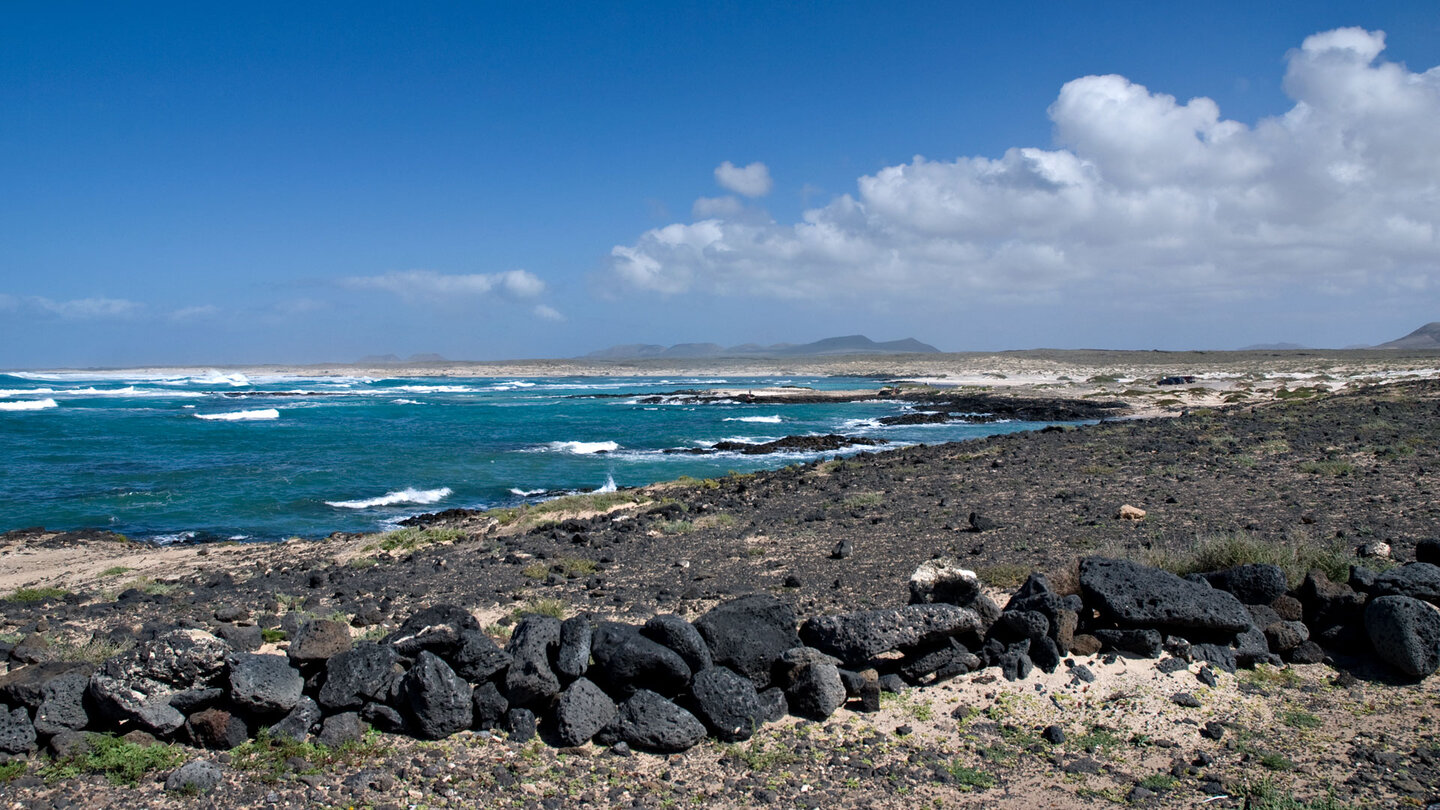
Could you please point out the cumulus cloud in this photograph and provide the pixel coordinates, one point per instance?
(196, 313)
(750, 181)
(428, 285)
(548, 313)
(716, 207)
(1141, 193)
(87, 308)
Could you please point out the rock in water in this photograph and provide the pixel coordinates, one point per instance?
(1405, 633)
(749, 634)
(1138, 596)
(439, 700)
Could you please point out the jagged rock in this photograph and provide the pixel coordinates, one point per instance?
(1219, 655)
(727, 703)
(945, 582)
(241, 637)
(1045, 654)
(383, 717)
(297, 724)
(194, 777)
(1307, 653)
(870, 691)
(438, 629)
(1285, 636)
(1253, 583)
(1084, 644)
(855, 638)
(189, 701)
(1288, 608)
(1362, 578)
(438, 699)
(477, 659)
(317, 641)
(530, 680)
(573, 656)
(521, 725)
(682, 637)
(68, 744)
(488, 705)
(338, 729)
(1014, 625)
(581, 711)
(264, 684)
(17, 734)
(1251, 648)
(31, 649)
(1334, 611)
(773, 705)
(815, 690)
(1405, 633)
(216, 728)
(1138, 596)
(1015, 663)
(650, 722)
(62, 707)
(366, 672)
(1417, 580)
(625, 661)
(26, 686)
(1144, 643)
(749, 634)
(137, 684)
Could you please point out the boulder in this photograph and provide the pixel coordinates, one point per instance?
(1308, 652)
(339, 729)
(264, 684)
(137, 684)
(366, 672)
(385, 718)
(727, 703)
(476, 658)
(17, 734)
(297, 724)
(194, 777)
(26, 686)
(1144, 643)
(438, 629)
(1139, 596)
(530, 680)
(682, 637)
(1285, 636)
(521, 724)
(649, 722)
(488, 705)
(216, 728)
(1417, 580)
(856, 638)
(625, 661)
(749, 634)
(241, 637)
(943, 582)
(572, 657)
(1405, 633)
(1253, 583)
(581, 711)
(950, 660)
(1014, 625)
(815, 691)
(318, 640)
(439, 700)
(62, 707)
(1128, 512)
(1428, 551)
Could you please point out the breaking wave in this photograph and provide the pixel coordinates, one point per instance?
(241, 416)
(420, 496)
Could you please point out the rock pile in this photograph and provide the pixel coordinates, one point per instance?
(668, 684)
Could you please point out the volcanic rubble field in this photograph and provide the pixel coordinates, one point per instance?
(1106, 681)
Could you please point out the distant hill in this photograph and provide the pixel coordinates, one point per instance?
(1426, 337)
(1272, 347)
(849, 344)
(393, 360)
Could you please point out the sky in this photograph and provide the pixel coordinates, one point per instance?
(301, 183)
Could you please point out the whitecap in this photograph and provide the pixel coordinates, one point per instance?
(609, 485)
(768, 420)
(435, 389)
(406, 402)
(15, 392)
(241, 416)
(584, 448)
(411, 495)
(526, 493)
(28, 405)
(171, 539)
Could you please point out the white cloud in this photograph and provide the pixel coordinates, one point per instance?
(196, 313)
(548, 313)
(1143, 195)
(87, 308)
(716, 207)
(428, 285)
(750, 181)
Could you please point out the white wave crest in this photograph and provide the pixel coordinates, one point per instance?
(436, 389)
(406, 402)
(411, 495)
(28, 405)
(609, 485)
(584, 448)
(241, 416)
(767, 420)
(15, 392)
(525, 493)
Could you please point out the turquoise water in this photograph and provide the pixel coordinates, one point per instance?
(222, 455)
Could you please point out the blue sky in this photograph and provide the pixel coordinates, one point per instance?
(191, 184)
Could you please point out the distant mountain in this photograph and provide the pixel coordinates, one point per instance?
(1272, 347)
(850, 344)
(1426, 337)
(393, 360)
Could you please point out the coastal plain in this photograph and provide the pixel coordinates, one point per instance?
(1303, 456)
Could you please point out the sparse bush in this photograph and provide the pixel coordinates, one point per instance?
(414, 537)
(1335, 469)
(30, 595)
(556, 608)
(1003, 575)
(120, 762)
(1295, 555)
(270, 758)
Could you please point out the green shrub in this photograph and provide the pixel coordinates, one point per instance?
(1335, 469)
(412, 538)
(10, 771)
(1295, 555)
(270, 758)
(120, 762)
(29, 595)
(556, 608)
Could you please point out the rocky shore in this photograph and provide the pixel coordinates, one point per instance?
(1112, 678)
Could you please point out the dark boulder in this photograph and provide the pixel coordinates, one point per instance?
(649, 722)
(339, 729)
(1308, 652)
(216, 728)
(264, 684)
(297, 724)
(1253, 583)
(489, 705)
(749, 634)
(317, 641)
(1139, 596)
(384, 717)
(521, 724)
(476, 658)
(137, 684)
(196, 777)
(949, 660)
(815, 690)
(1428, 551)
(242, 637)
(63, 705)
(1221, 655)
(626, 661)
(530, 679)
(682, 637)
(367, 672)
(26, 686)
(1285, 636)
(773, 705)
(856, 638)
(572, 657)
(1014, 625)
(17, 734)
(1144, 643)
(1417, 580)
(1405, 633)
(581, 711)
(439, 700)
(943, 582)
(727, 703)
(438, 629)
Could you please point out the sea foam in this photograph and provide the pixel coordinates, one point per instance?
(241, 416)
(411, 495)
(584, 448)
(767, 420)
(28, 405)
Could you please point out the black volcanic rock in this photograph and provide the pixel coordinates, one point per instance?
(749, 634)
(1134, 595)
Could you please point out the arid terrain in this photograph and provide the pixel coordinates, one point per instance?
(1298, 458)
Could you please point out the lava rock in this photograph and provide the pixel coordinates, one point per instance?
(242, 637)
(521, 725)
(1144, 643)
(383, 717)
(17, 734)
(1220, 655)
(194, 777)
(773, 705)
(1253, 583)
(581, 711)
(438, 699)
(1308, 652)
(1417, 580)
(489, 705)
(62, 707)
(682, 637)
(856, 638)
(727, 703)
(264, 684)
(26, 686)
(338, 729)
(1428, 551)
(530, 680)
(1138, 596)
(1405, 633)
(137, 684)
(317, 641)
(216, 728)
(437, 629)
(476, 658)
(297, 724)
(815, 691)
(649, 722)
(943, 582)
(364, 673)
(572, 657)
(626, 661)
(749, 634)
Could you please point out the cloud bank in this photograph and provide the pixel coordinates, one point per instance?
(1142, 195)
(427, 285)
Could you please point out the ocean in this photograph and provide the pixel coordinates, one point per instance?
(219, 455)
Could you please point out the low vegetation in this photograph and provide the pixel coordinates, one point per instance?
(1296, 554)
(272, 758)
(119, 761)
(31, 595)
